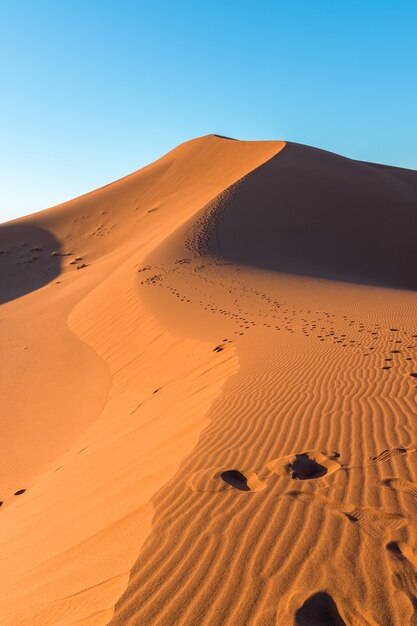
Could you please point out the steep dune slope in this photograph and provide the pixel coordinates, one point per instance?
(94, 417)
(222, 433)
(315, 213)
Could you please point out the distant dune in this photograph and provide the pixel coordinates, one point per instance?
(208, 382)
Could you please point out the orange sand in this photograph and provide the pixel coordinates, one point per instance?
(207, 395)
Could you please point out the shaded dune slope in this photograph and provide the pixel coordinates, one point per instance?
(315, 213)
(17, 252)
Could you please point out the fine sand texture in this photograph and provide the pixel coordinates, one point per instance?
(209, 382)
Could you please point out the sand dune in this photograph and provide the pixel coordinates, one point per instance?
(323, 215)
(209, 405)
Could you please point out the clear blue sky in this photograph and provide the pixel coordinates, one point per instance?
(93, 90)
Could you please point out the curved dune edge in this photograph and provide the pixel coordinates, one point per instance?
(313, 412)
(83, 518)
(312, 213)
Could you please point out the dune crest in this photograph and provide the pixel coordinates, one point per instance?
(209, 405)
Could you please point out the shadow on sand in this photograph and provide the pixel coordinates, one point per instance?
(317, 610)
(314, 213)
(29, 259)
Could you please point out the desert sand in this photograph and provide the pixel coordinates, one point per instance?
(208, 382)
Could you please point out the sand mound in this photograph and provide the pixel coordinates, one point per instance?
(314, 213)
(180, 368)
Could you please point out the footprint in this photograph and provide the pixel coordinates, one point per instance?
(219, 479)
(404, 564)
(320, 608)
(372, 521)
(305, 465)
(387, 454)
(401, 485)
(403, 551)
(245, 481)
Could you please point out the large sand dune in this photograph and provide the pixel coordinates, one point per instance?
(208, 403)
